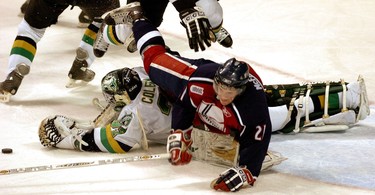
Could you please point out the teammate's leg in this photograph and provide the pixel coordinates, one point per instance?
(38, 16)
(85, 56)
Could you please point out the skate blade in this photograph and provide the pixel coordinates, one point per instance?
(82, 25)
(213, 183)
(5, 97)
(72, 83)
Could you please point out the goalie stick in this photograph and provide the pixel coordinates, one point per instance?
(107, 115)
(97, 103)
(85, 164)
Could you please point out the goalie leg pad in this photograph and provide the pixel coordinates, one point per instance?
(337, 122)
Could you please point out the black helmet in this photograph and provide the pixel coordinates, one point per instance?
(233, 73)
(121, 86)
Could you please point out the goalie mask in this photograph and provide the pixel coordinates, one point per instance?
(121, 86)
(233, 74)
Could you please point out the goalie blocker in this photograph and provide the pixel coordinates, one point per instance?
(222, 150)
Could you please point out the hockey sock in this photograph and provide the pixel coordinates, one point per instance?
(146, 34)
(25, 45)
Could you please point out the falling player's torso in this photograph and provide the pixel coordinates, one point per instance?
(211, 113)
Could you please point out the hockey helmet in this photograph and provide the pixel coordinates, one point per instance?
(121, 86)
(233, 73)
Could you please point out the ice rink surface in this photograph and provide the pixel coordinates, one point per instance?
(286, 40)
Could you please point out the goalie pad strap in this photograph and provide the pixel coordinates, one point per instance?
(299, 111)
(306, 100)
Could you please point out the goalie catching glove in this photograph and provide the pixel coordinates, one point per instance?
(64, 132)
(198, 28)
(177, 145)
(233, 179)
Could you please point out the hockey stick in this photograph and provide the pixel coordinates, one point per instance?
(144, 142)
(85, 164)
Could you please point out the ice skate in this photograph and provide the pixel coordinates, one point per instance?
(100, 45)
(130, 44)
(63, 132)
(357, 99)
(79, 73)
(272, 159)
(223, 38)
(13, 81)
(364, 109)
(24, 7)
(125, 14)
(83, 20)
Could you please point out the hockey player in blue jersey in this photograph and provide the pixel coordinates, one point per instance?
(216, 96)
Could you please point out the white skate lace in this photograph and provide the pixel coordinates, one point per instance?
(100, 44)
(121, 15)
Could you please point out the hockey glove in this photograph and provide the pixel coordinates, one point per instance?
(198, 28)
(177, 145)
(233, 179)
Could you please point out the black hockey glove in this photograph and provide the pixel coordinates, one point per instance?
(198, 28)
(233, 179)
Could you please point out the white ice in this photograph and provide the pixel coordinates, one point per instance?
(288, 41)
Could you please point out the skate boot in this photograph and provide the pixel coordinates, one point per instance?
(100, 45)
(130, 44)
(13, 81)
(63, 132)
(79, 70)
(125, 14)
(357, 99)
(24, 7)
(223, 37)
(83, 20)
(364, 109)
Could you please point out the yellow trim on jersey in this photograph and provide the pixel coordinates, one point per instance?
(112, 142)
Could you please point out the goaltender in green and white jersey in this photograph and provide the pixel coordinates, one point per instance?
(147, 117)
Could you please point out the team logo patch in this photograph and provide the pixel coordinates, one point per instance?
(196, 89)
(226, 112)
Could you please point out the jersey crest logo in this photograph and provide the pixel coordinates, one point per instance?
(226, 112)
(196, 89)
(212, 115)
